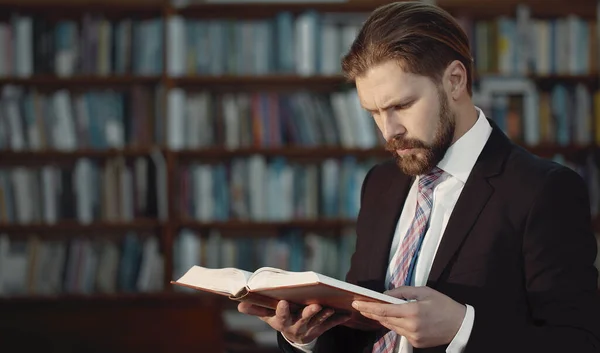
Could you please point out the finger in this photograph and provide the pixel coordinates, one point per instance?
(254, 310)
(282, 313)
(308, 313)
(409, 292)
(320, 317)
(382, 310)
(400, 325)
(332, 322)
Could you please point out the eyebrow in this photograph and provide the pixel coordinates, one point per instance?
(391, 102)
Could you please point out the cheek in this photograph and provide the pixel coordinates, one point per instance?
(427, 124)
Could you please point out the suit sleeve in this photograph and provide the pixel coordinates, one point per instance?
(560, 280)
(340, 338)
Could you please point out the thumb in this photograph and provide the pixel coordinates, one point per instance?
(408, 292)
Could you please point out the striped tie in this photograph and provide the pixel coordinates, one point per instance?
(406, 251)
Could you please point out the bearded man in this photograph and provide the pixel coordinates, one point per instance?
(492, 246)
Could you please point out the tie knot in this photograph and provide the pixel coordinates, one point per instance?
(431, 179)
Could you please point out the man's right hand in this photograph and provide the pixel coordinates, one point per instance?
(304, 327)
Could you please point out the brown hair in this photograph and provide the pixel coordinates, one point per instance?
(423, 38)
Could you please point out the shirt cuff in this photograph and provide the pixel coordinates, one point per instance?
(459, 343)
(302, 347)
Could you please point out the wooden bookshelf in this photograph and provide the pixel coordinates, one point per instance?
(63, 157)
(74, 227)
(268, 226)
(474, 8)
(107, 298)
(269, 82)
(302, 153)
(221, 153)
(67, 7)
(113, 323)
(184, 305)
(321, 153)
(78, 80)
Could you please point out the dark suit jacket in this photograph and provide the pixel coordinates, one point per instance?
(518, 247)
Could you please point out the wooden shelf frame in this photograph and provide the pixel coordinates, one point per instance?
(74, 227)
(473, 8)
(77, 81)
(480, 9)
(8, 157)
(267, 82)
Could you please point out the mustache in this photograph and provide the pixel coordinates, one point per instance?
(401, 143)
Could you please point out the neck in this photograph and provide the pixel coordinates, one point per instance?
(466, 117)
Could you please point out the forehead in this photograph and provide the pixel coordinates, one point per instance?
(387, 82)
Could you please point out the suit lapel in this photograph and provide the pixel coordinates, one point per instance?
(385, 216)
(471, 202)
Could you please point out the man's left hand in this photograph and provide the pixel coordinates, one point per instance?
(432, 320)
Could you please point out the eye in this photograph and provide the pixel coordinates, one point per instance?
(403, 106)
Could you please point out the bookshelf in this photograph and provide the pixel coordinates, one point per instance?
(143, 79)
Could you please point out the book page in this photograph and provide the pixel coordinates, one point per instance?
(226, 281)
(359, 290)
(267, 277)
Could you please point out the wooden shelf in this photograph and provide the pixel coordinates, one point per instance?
(472, 8)
(47, 157)
(69, 7)
(242, 82)
(268, 82)
(252, 227)
(78, 81)
(539, 8)
(547, 82)
(75, 227)
(98, 298)
(320, 153)
(221, 153)
(277, 82)
(313, 153)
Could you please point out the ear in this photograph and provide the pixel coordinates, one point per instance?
(456, 79)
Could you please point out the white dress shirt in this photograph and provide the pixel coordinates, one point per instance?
(457, 165)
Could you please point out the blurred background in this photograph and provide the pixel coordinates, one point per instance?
(141, 137)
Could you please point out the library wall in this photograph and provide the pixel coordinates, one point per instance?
(140, 138)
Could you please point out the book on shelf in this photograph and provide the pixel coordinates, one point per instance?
(267, 286)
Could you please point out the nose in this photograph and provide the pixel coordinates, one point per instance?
(391, 125)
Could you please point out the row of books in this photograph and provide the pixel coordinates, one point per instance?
(292, 250)
(258, 189)
(80, 265)
(29, 120)
(67, 121)
(93, 46)
(268, 119)
(312, 43)
(563, 114)
(524, 45)
(117, 190)
(307, 44)
(255, 188)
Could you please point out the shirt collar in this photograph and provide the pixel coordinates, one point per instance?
(462, 154)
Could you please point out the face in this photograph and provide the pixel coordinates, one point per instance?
(412, 113)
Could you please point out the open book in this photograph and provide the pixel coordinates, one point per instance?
(267, 285)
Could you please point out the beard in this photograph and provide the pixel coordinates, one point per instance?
(425, 157)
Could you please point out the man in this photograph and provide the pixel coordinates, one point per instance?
(494, 245)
